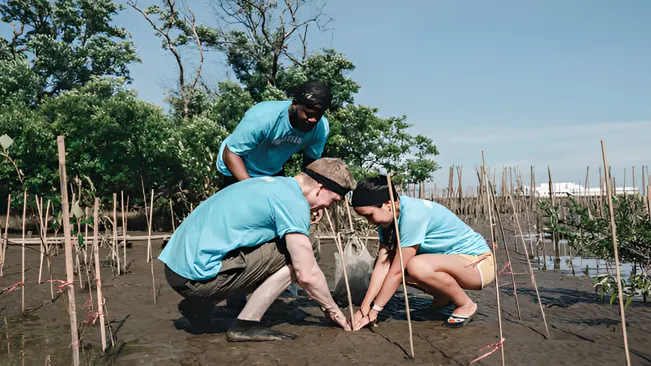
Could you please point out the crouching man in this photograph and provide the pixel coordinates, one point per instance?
(253, 236)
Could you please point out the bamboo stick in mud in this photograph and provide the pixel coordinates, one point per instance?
(3, 249)
(172, 216)
(98, 274)
(533, 276)
(124, 232)
(402, 265)
(343, 264)
(149, 250)
(497, 285)
(115, 232)
(506, 250)
(22, 272)
(72, 307)
(617, 270)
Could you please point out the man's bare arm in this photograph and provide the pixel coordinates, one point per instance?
(308, 273)
(235, 165)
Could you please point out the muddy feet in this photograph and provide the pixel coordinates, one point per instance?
(252, 331)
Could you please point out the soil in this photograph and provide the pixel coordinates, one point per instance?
(584, 328)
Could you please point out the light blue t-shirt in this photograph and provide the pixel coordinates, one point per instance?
(251, 212)
(436, 229)
(265, 139)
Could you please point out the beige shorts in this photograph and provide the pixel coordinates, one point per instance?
(485, 263)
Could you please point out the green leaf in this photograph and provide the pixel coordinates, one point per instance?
(80, 240)
(6, 141)
(77, 211)
(612, 298)
(628, 301)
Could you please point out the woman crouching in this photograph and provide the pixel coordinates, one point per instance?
(441, 254)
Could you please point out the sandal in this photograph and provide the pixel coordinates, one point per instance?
(458, 321)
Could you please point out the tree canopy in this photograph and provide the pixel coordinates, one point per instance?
(64, 71)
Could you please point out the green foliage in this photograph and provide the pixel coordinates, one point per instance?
(67, 41)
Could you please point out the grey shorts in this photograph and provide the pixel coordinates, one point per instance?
(242, 271)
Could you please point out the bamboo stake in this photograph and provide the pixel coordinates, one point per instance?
(72, 308)
(506, 250)
(150, 258)
(124, 232)
(115, 231)
(402, 264)
(343, 264)
(22, 272)
(172, 216)
(6, 237)
(350, 217)
(533, 276)
(614, 232)
(98, 274)
(497, 284)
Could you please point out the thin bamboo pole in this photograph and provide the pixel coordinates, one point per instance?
(149, 250)
(497, 284)
(22, 272)
(402, 265)
(98, 274)
(72, 308)
(533, 276)
(343, 264)
(506, 250)
(614, 232)
(5, 236)
(124, 233)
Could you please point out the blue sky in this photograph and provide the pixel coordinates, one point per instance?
(530, 83)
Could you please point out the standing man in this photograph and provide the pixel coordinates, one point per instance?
(259, 243)
(270, 133)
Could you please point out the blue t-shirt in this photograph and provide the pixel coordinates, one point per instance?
(251, 212)
(436, 229)
(265, 139)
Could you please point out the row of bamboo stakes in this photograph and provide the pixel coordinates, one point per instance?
(484, 200)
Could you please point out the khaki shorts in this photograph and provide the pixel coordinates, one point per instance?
(485, 263)
(242, 271)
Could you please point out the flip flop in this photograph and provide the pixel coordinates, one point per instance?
(458, 321)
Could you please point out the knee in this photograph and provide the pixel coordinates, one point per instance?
(419, 269)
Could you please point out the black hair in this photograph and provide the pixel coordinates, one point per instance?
(312, 93)
(373, 191)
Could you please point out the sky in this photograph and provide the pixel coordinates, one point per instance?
(528, 82)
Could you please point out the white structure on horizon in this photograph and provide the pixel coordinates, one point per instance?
(565, 188)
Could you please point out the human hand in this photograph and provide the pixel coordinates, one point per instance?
(338, 317)
(371, 317)
(316, 216)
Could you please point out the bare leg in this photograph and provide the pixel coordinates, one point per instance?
(262, 298)
(247, 327)
(447, 276)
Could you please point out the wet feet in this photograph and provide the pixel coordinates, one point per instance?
(252, 331)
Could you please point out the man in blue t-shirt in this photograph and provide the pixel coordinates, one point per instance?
(441, 254)
(253, 236)
(270, 133)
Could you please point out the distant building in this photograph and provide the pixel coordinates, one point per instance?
(565, 188)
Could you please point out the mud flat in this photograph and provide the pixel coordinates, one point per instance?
(585, 330)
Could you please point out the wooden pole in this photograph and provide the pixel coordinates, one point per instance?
(149, 250)
(492, 229)
(98, 273)
(614, 232)
(124, 233)
(343, 264)
(22, 272)
(533, 276)
(5, 236)
(402, 264)
(72, 308)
